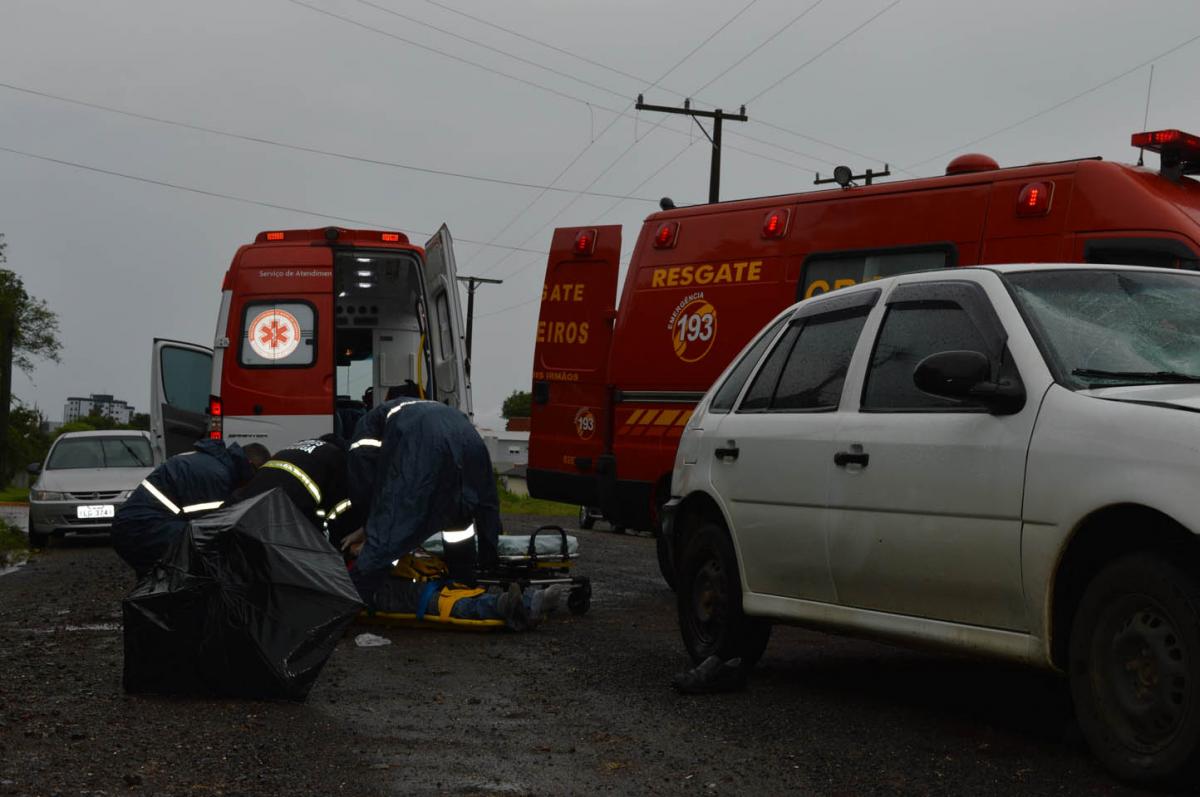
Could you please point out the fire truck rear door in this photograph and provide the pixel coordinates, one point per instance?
(446, 323)
(571, 427)
(180, 377)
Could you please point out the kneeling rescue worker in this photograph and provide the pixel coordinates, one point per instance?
(418, 468)
(186, 484)
(312, 473)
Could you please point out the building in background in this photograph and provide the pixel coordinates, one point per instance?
(99, 403)
(507, 448)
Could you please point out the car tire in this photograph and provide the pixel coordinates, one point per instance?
(709, 601)
(1135, 669)
(665, 564)
(586, 521)
(39, 539)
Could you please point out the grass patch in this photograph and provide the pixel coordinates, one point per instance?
(511, 504)
(11, 538)
(14, 495)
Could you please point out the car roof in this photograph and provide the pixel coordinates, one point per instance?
(106, 433)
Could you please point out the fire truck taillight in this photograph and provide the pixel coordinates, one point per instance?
(1034, 200)
(775, 223)
(392, 237)
(585, 242)
(215, 418)
(274, 236)
(666, 235)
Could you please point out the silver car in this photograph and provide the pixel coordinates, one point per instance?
(85, 479)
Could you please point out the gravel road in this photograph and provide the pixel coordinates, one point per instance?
(579, 706)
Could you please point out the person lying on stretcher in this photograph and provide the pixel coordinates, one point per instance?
(420, 587)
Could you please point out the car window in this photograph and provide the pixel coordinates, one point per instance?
(910, 333)
(280, 334)
(100, 452)
(815, 370)
(727, 394)
(186, 377)
(758, 397)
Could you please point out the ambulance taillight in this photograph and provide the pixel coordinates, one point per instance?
(666, 235)
(585, 242)
(1034, 200)
(216, 425)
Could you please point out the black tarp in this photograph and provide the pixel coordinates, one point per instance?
(249, 601)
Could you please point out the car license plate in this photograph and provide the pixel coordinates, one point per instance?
(95, 511)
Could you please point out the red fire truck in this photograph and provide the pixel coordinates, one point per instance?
(614, 384)
(307, 318)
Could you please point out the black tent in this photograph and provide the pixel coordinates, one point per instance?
(248, 601)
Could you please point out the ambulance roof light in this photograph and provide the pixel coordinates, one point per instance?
(775, 223)
(1034, 200)
(585, 242)
(391, 237)
(1178, 152)
(274, 236)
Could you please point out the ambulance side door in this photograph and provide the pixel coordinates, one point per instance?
(180, 377)
(446, 328)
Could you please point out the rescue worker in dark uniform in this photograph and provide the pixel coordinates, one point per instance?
(418, 468)
(312, 473)
(183, 486)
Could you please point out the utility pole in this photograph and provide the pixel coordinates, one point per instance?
(472, 282)
(714, 173)
(8, 330)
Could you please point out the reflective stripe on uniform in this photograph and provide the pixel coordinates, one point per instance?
(366, 441)
(202, 507)
(341, 507)
(300, 475)
(459, 536)
(154, 491)
(320, 513)
(399, 407)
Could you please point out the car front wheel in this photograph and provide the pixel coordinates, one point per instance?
(1135, 669)
(709, 599)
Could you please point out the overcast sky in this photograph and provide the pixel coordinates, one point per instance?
(858, 82)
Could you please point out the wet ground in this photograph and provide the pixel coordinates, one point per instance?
(579, 706)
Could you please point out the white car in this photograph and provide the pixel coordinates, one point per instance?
(1002, 461)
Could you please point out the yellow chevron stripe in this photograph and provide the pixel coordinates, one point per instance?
(667, 417)
(683, 419)
(649, 416)
(632, 419)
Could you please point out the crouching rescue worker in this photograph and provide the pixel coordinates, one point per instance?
(312, 473)
(186, 484)
(418, 468)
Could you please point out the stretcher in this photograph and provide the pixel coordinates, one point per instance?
(419, 594)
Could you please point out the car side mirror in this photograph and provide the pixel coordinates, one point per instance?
(34, 468)
(967, 375)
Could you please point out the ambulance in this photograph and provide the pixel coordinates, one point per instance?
(614, 384)
(307, 321)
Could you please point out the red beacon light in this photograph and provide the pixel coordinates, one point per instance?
(775, 223)
(666, 235)
(390, 237)
(1034, 200)
(1178, 152)
(274, 236)
(585, 242)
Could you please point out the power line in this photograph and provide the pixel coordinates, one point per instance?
(309, 150)
(1059, 104)
(874, 17)
(234, 198)
(758, 48)
(488, 47)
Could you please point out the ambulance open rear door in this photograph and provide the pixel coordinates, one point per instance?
(570, 441)
(180, 378)
(447, 331)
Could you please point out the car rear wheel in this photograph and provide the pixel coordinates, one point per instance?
(586, 521)
(709, 600)
(1135, 669)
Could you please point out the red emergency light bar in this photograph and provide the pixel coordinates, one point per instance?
(340, 235)
(1034, 200)
(1156, 140)
(775, 223)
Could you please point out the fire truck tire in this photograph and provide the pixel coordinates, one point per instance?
(665, 565)
(586, 521)
(1135, 670)
(709, 600)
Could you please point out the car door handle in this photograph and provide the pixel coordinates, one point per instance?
(726, 453)
(844, 458)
